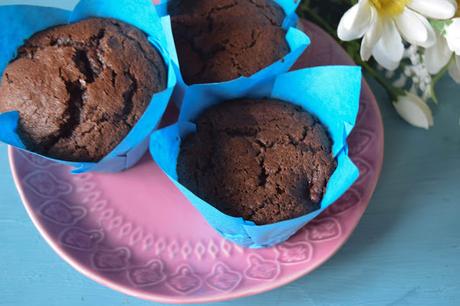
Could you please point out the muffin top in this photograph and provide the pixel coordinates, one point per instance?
(80, 88)
(222, 13)
(263, 160)
(220, 40)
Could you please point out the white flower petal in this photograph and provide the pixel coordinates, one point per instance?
(410, 26)
(431, 40)
(437, 9)
(414, 110)
(355, 22)
(454, 69)
(413, 29)
(371, 37)
(389, 50)
(438, 56)
(384, 60)
(453, 35)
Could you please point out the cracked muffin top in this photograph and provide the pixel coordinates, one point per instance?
(80, 88)
(220, 40)
(262, 160)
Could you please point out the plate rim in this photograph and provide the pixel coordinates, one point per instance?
(107, 282)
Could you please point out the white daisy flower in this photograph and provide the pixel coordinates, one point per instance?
(384, 23)
(440, 54)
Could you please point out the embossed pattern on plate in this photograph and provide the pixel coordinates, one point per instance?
(135, 233)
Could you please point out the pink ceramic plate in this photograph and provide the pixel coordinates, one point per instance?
(135, 233)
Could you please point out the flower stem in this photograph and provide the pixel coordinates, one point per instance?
(435, 79)
(443, 71)
(319, 20)
(392, 91)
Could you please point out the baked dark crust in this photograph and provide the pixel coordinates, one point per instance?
(220, 40)
(263, 160)
(80, 88)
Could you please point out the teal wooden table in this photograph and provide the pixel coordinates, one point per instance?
(405, 251)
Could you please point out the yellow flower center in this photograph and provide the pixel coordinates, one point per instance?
(390, 8)
(458, 9)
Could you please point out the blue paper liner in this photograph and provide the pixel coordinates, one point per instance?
(20, 22)
(297, 40)
(330, 93)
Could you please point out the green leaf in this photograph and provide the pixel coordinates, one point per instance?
(441, 25)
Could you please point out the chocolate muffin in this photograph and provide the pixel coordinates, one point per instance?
(80, 88)
(263, 160)
(220, 40)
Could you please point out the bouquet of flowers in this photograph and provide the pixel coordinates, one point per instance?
(412, 42)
